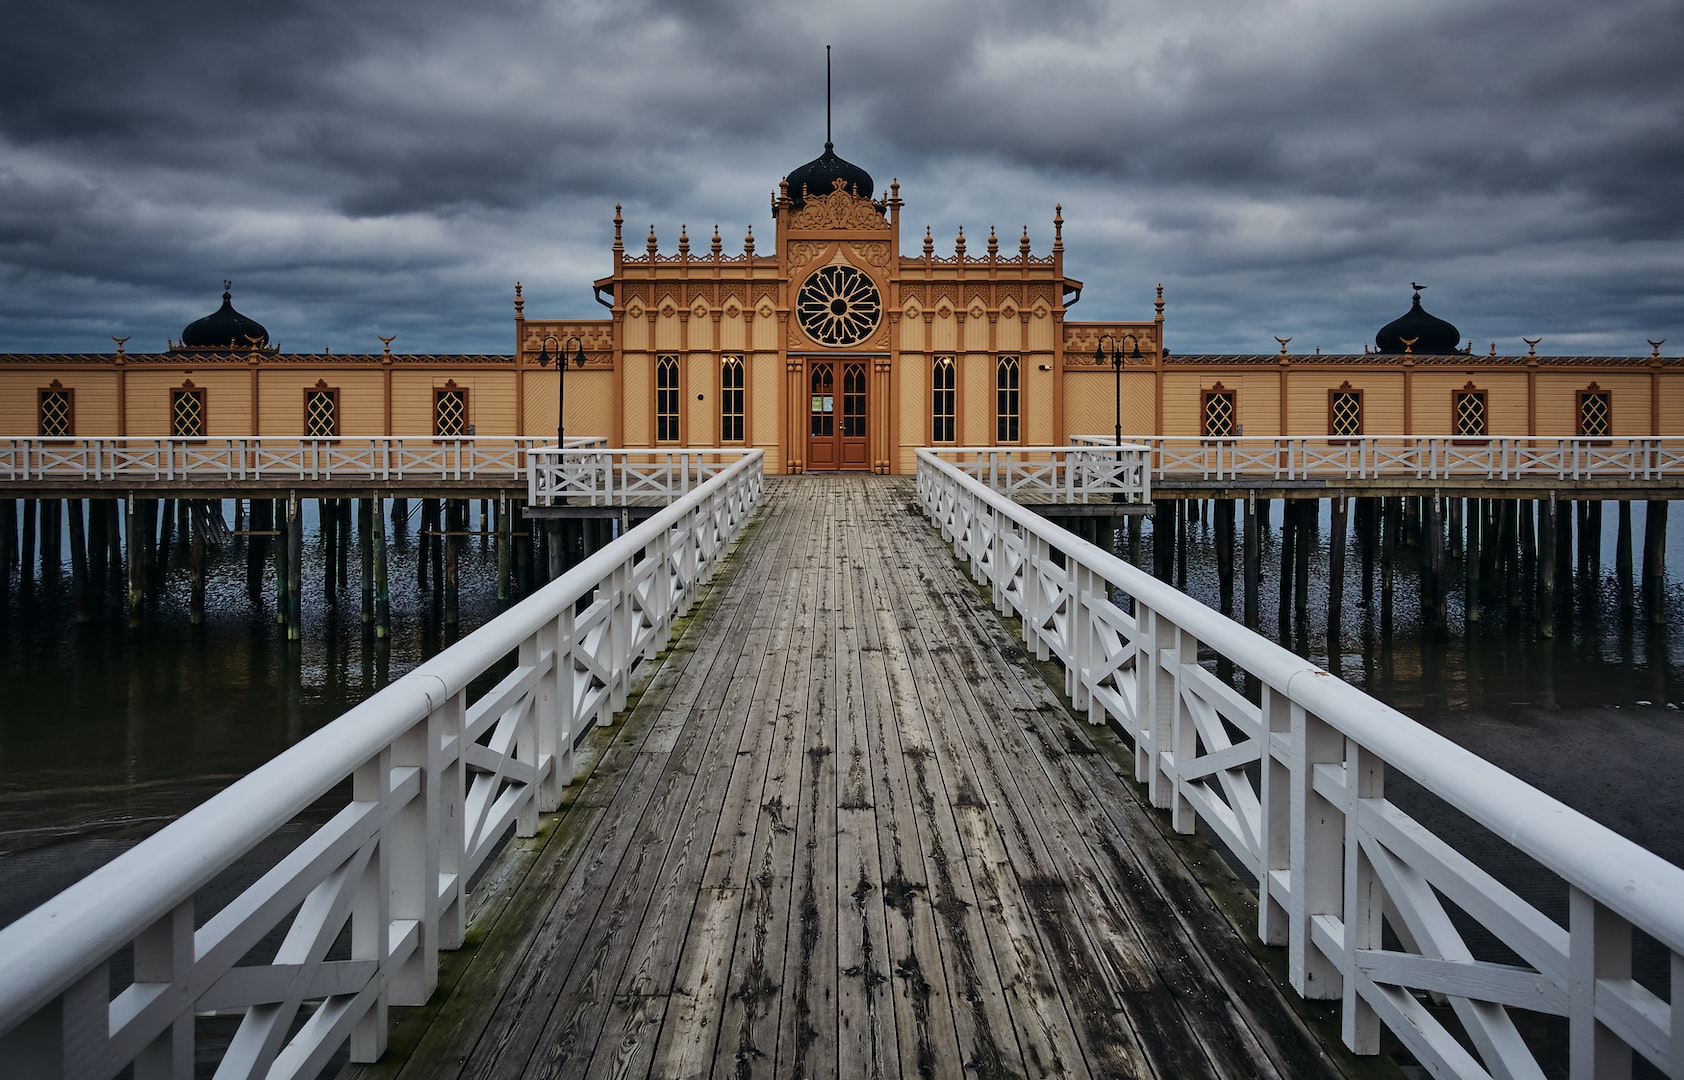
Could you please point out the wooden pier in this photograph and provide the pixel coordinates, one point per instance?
(848, 830)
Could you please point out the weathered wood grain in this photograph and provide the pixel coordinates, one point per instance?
(849, 831)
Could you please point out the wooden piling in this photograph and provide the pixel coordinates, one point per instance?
(133, 535)
(295, 569)
(26, 558)
(1433, 530)
(8, 543)
(1622, 559)
(98, 543)
(196, 566)
(1289, 541)
(1511, 550)
(455, 525)
(1336, 571)
(1548, 537)
(1224, 518)
(1392, 515)
(1253, 561)
(1308, 513)
(505, 557)
(1473, 523)
(368, 512)
(382, 591)
(1654, 561)
(114, 540)
(78, 560)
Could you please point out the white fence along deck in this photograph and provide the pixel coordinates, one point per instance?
(1293, 784)
(436, 777)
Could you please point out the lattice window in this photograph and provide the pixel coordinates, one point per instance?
(1218, 414)
(450, 412)
(57, 411)
(1469, 417)
(731, 399)
(321, 413)
(943, 397)
(1007, 399)
(666, 398)
(1596, 412)
(187, 412)
(1344, 411)
(853, 400)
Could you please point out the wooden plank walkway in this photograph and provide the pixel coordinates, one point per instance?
(847, 831)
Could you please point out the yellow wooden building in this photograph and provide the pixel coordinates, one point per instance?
(837, 349)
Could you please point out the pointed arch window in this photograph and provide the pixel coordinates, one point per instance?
(1344, 411)
(943, 400)
(666, 398)
(450, 410)
(1007, 399)
(731, 399)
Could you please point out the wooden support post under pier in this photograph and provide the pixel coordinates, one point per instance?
(1253, 561)
(136, 561)
(368, 512)
(1548, 536)
(8, 543)
(78, 561)
(1622, 559)
(1224, 516)
(1391, 513)
(1654, 561)
(283, 540)
(1473, 522)
(1512, 549)
(98, 543)
(455, 515)
(505, 560)
(1336, 571)
(1434, 528)
(26, 558)
(197, 522)
(1307, 512)
(382, 592)
(295, 568)
(1289, 538)
(114, 540)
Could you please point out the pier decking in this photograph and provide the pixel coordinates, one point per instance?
(848, 831)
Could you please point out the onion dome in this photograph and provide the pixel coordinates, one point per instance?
(1425, 333)
(224, 328)
(819, 176)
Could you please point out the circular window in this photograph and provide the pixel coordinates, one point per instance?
(838, 305)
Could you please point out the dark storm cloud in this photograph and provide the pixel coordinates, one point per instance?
(1283, 168)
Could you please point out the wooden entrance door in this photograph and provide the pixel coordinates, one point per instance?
(837, 414)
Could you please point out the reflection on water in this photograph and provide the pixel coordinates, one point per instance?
(105, 737)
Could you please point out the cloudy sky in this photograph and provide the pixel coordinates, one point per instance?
(1284, 167)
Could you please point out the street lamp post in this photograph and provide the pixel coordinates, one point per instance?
(561, 388)
(1116, 358)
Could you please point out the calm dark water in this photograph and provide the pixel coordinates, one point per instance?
(104, 736)
(107, 736)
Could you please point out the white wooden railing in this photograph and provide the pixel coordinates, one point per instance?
(592, 476)
(436, 777)
(1112, 472)
(188, 460)
(1293, 784)
(1408, 457)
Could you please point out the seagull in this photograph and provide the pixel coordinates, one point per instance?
(1416, 287)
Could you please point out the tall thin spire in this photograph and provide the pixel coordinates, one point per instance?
(827, 142)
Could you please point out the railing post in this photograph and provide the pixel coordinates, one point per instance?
(1599, 948)
(1274, 872)
(1318, 837)
(371, 906)
(163, 956)
(1363, 901)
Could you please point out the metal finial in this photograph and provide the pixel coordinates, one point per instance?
(1653, 344)
(1531, 345)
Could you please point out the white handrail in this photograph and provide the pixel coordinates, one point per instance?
(437, 777)
(210, 460)
(599, 476)
(1109, 471)
(1293, 784)
(1330, 458)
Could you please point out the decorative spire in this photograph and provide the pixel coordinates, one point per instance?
(387, 342)
(520, 304)
(929, 243)
(1531, 345)
(684, 241)
(716, 242)
(959, 244)
(618, 223)
(653, 244)
(1023, 245)
(993, 244)
(1058, 227)
(748, 242)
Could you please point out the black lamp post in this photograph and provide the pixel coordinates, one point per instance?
(561, 381)
(1116, 358)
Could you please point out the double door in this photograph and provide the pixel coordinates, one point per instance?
(838, 414)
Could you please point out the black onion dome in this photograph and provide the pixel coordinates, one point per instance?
(1428, 333)
(224, 328)
(818, 177)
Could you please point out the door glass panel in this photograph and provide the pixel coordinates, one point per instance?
(823, 391)
(853, 400)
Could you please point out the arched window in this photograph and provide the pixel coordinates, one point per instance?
(666, 398)
(1468, 412)
(1344, 411)
(1218, 413)
(187, 411)
(1595, 411)
(450, 410)
(321, 412)
(56, 410)
(942, 400)
(730, 399)
(1007, 399)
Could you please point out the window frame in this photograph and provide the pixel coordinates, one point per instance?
(1579, 399)
(1008, 400)
(331, 393)
(1206, 396)
(440, 393)
(733, 399)
(941, 395)
(668, 401)
(1470, 391)
(1333, 396)
(55, 390)
(178, 393)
